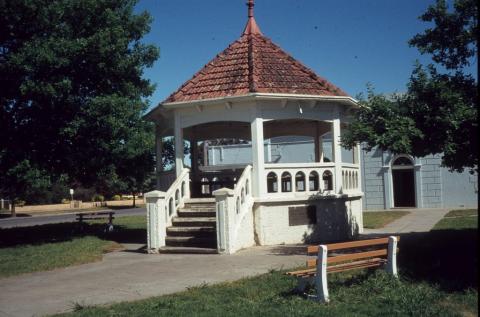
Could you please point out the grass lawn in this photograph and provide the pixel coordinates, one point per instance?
(432, 283)
(47, 247)
(271, 295)
(379, 219)
(459, 219)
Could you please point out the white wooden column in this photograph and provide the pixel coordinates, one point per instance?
(318, 144)
(258, 178)
(337, 154)
(159, 159)
(178, 146)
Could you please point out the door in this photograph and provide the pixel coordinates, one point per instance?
(403, 187)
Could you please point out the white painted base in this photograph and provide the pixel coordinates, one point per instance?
(337, 219)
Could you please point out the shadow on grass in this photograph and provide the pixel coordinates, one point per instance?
(52, 233)
(448, 258)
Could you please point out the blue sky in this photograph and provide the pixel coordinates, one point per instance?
(349, 42)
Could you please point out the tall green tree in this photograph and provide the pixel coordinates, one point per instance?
(72, 93)
(438, 113)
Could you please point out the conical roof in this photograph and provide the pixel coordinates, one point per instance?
(253, 64)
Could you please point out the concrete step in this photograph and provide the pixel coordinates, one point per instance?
(188, 250)
(191, 242)
(194, 222)
(200, 201)
(192, 231)
(196, 213)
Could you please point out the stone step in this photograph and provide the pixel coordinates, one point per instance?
(200, 201)
(192, 231)
(196, 213)
(194, 222)
(190, 242)
(188, 250)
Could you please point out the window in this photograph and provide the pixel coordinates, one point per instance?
(286, 182)
(327, 178)
(272, 182)
(300, 182)
(313, 181)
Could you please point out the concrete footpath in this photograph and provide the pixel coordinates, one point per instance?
(132, 274)
(419, 220)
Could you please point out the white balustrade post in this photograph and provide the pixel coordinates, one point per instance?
(225, 209)
(337, 154)
(156, 222)
(392, 256)
(321, 276)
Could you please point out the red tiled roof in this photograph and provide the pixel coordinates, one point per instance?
(253, 64)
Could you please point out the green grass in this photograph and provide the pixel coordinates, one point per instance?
(271, 295)
(49, 256)
(47, 247)
(379, 219)
(458, 220)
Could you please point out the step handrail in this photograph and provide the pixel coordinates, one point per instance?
(162, 207)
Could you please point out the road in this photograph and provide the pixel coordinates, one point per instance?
(47, 219)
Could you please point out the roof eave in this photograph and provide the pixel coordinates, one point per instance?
(258, 96)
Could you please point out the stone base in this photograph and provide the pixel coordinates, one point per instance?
(283, 222)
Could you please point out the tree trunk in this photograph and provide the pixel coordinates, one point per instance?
(134, 200)
(13, 212)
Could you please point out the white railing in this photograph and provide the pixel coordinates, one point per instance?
(300, 178)
(235, 215)
(350, 178)
(162, 207)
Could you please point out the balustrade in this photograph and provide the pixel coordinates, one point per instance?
(307, 178)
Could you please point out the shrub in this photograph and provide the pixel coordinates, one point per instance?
(65, 201)
(98, 197)
(117, 197)
(19, 203)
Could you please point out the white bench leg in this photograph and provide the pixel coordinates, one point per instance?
(392, 256)
(321, 276)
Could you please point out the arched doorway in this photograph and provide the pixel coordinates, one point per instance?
(403, 179)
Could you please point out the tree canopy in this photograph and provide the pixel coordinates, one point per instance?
(72, 95)
(438, 113)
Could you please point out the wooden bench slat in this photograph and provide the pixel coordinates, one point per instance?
(355, 265)
(342, 267)
(350, 256)
(313, 249)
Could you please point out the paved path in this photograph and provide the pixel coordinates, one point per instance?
(419, 220)
(132, 275)
(59, 218)
(126, 276)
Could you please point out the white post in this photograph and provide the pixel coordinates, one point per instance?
(337, 155)
(225, 208)
(159, 149)
(258, 177)
(156, 222)
(178, 146)
(392, 256)
(321, 276)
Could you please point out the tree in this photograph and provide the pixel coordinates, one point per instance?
(438, 114)
(72, 94)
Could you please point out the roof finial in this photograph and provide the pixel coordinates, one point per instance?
(251, 27)
(250, 5)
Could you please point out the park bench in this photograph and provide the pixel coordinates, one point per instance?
(381, 252)
(84, 216)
